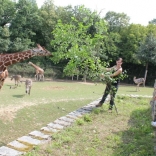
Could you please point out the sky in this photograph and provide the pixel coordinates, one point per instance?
(139, 11)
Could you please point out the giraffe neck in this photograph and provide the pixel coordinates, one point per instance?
(35, 66)
(9, 59)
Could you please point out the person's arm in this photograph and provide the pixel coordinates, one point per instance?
(116, 73)
(106, 69)
(109, 69)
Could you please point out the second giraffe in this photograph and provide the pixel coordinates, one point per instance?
(39, 76)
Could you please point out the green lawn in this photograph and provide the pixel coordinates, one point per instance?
(106, 134)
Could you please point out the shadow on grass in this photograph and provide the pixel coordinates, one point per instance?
(19, 96)
(138, 140)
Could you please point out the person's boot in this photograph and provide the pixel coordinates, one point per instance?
(99, 104)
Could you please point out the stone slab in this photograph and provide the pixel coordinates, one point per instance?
(6, 151)
(82, 111)
(19, 146)
(49, 130)
(55, 126)
(39, 135)
(72, 116)
(88, 108)
(77, 114)
(27, 140)
(64, 118)
(63, 123)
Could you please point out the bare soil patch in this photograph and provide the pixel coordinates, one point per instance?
(8, 113)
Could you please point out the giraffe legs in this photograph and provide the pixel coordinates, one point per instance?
(3, 76)
(39, 77)
(36, 77)
(1, 83)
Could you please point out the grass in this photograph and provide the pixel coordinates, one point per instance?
(106, 134)
(98, 133)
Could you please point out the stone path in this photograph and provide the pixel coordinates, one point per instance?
(26, 143)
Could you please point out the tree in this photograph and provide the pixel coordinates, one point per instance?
(80, 49)
(131, 37)
(147, 51)
(111, 46)
(48, 20)
(116, 21)
(24, 25)
(152, 21)
(4, 39)
(7, 12)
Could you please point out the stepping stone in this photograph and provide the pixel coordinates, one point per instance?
(72, 116)
(64, 118)
(55, 126)
(76, 114)
(6, 151)
(88, 108)
(27, 140)
(19, 146)
(49, 130)
(91, 106)
(83, 110)
(61, 122)
(39, 135)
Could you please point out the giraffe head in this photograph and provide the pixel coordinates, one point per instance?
(29, 62)
(40, 51)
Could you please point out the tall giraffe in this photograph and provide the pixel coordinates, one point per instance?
(9, 59)
(39, 72)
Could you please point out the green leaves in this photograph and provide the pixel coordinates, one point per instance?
(147, 49)
(106, 79)
(73, 43)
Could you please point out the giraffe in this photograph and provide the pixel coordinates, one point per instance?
(3, 76)
(39, 72)
(9, 59)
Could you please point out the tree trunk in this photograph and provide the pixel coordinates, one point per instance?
(146, 72)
